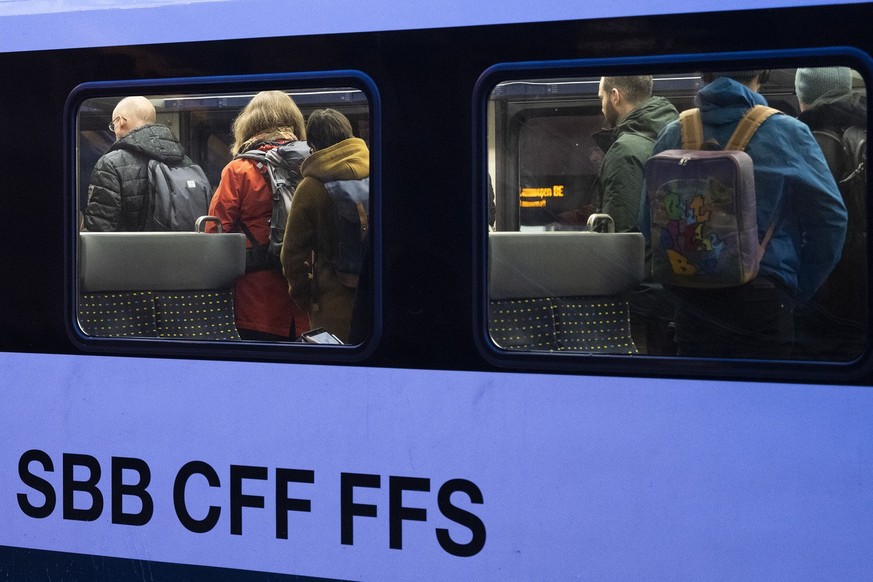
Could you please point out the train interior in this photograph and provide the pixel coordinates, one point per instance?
(571, 285)
(174, 285)
(554, 284)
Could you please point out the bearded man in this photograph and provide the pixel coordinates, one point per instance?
(633, 120)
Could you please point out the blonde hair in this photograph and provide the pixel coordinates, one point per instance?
(268, 111)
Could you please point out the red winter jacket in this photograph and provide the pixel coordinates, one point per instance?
(261, 298)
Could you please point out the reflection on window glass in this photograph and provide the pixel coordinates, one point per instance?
(186, 224)
(551, 192)
(620, 228)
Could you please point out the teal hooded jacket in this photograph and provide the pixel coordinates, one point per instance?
(793, 184)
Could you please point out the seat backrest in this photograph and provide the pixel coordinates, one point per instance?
(563, 264)
(159, 261)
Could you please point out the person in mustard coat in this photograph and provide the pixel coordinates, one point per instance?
(320, 281)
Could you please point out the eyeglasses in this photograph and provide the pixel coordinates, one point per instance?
(112, 123)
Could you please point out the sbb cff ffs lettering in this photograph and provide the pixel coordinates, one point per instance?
(131, 502)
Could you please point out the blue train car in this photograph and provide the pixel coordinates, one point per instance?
(452, 439)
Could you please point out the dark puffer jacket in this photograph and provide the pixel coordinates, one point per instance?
(836, 111)
(119, 182)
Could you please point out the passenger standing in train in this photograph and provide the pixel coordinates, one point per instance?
(243, 197)
(119, 183)
(834, 323)
(633, 118)
(310, 251)
(796, 192)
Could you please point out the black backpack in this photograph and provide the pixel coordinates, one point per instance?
(351, 199)
(846, 155)
(177, 197)
(280, 167)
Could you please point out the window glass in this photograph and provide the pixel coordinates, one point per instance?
(147, 269)
(648, 279)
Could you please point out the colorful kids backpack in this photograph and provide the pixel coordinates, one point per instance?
(702, 207)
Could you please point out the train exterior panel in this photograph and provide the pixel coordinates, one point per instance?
(428, 451)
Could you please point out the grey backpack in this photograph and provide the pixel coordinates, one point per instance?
(177, 197)
(280, 167)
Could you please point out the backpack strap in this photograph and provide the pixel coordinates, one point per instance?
(362, 218)
(691, 126)
(258, 156)
(248, 234)
(746, 128)
(763, 246)
(748, 125)
(267, 163)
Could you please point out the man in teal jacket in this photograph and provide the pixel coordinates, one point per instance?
(794, 189)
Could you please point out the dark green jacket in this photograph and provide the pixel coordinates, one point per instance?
(627, 147)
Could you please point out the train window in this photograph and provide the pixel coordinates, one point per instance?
(597, 247)
(223, 212)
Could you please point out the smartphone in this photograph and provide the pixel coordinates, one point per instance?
(320, 335)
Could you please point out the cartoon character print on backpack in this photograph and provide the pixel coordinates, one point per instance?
(702, 208)
(692, 234)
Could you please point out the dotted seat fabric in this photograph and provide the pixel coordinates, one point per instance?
(123, 314)
(593, 324)
(523, 324)
(206, 315)
(203, 315)
(597, 325)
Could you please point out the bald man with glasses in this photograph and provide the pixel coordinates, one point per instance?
(119, 182)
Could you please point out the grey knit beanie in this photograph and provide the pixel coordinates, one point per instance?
(810, 84)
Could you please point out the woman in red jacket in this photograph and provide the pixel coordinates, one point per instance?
(264, 311)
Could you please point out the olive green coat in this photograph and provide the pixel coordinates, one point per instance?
(627, 147)
(311, 235)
